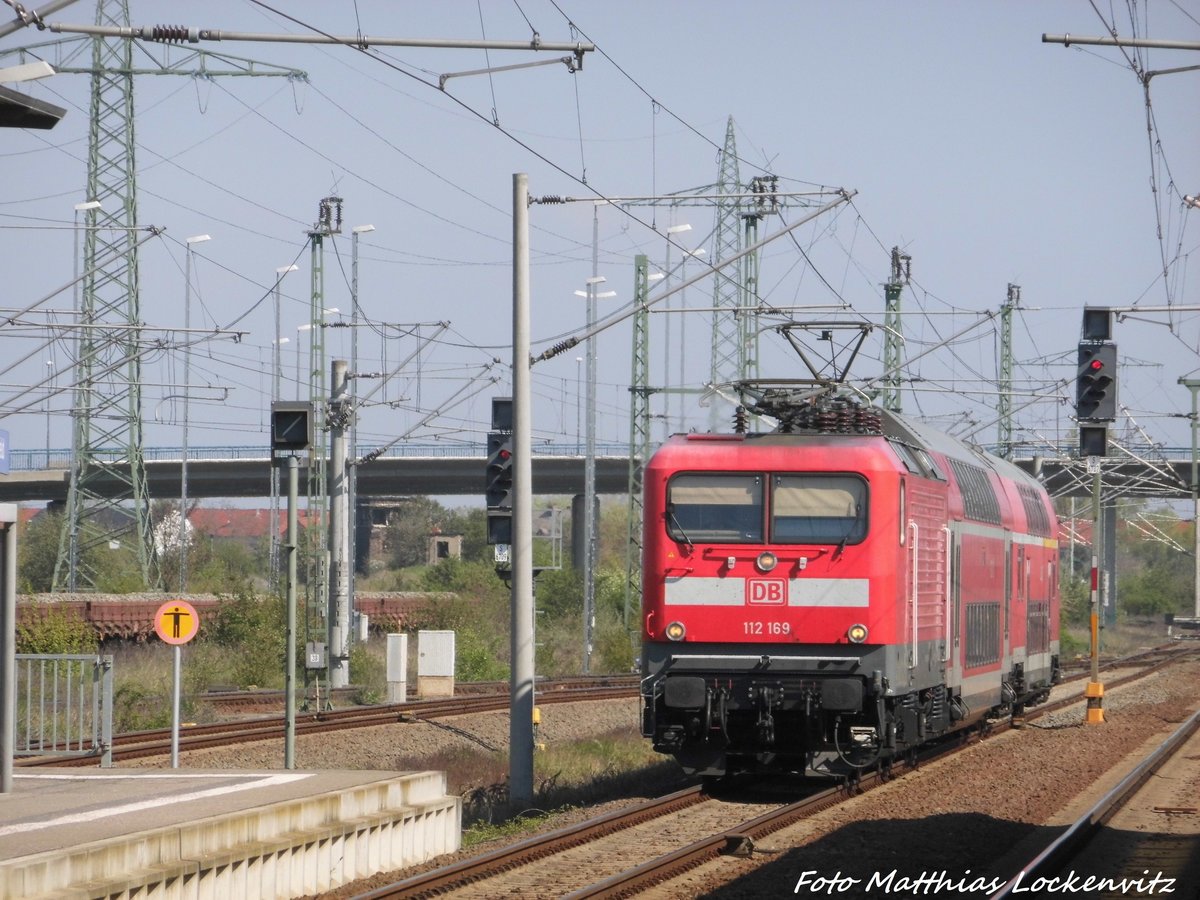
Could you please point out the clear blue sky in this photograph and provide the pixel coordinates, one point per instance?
(989, 157)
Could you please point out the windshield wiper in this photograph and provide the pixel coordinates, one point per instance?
(687, 541)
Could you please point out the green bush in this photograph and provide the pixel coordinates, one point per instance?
(368, 673)
(250, 630)
(478, 658)
(56, 631)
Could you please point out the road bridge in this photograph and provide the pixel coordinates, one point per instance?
(458, 469)
(433, 470)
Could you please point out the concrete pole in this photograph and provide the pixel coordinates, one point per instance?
(187, 400)
(289, 674)
(1192, 385)
(1094, 691)
(589, 459)
(8, 645)
(520, 728)
(339, 531)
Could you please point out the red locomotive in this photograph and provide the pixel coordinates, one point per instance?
(830, 595)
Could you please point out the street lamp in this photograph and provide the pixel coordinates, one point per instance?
(671, 232)
(352, 480)
(49, 397)
(277, 375)
(589, 464)
(698, 252)
(187, 390)
(578, 404)
(276, 387)
(88, 206)
(307, 326)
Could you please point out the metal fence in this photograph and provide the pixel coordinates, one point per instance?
(64, 705)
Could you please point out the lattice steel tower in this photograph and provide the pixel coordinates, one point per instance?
(893, 332)
(639, 433)
(1004, 407)
(728, 349)
(329, 223)
(108, 500)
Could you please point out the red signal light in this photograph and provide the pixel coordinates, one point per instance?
(1095, 365)
(504, 454)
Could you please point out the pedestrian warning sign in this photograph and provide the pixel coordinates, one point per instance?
(176, 622)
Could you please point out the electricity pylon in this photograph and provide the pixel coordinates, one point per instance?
(329, 223)
(1004, 408)
(639, 433)
(893, 331)
(728, 349)
(108, 498)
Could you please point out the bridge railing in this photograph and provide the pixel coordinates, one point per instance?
(41, 460)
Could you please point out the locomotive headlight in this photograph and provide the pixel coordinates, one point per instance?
(675, 631)
(857, 633)
(766, 561)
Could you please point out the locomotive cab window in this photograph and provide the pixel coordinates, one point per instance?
(818, 509)
(720, 508)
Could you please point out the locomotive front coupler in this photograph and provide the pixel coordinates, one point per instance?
(765, 698)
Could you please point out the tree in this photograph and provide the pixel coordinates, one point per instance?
(408, 529)
(37, 552)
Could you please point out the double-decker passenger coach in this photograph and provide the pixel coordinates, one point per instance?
(824, 597)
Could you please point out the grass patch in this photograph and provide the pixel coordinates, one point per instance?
(483, 832)
(612, 766)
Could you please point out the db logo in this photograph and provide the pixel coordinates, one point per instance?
(766, 591)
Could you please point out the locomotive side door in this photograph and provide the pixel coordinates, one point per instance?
(953, 651)
(1012, 557)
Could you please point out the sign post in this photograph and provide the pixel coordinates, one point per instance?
(176, 622)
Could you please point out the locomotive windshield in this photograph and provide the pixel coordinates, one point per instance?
(722, 508)
(818, 509)
(730, 508)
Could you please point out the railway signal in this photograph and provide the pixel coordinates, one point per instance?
(291, 426)
(1096, 382)
(499, 488)
(1093, 440)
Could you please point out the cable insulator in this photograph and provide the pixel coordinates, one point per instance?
(175, 34)
(740, 420)
(560, 347)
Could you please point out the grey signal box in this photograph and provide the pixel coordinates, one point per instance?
(291, 425)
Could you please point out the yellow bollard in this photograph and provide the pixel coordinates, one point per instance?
(1095, 703)
(537, 721)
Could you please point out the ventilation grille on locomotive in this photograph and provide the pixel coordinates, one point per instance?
(979, 500)
(1035, 512)
(1037, 638)
(983, 634)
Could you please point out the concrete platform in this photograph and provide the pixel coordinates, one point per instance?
(150, 833)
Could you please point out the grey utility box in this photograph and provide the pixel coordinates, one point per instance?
(435, 664)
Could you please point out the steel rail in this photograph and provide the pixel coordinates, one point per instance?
(1068, 844)
(681, 861)
(675, 863)
(136, 745)
(538, 847)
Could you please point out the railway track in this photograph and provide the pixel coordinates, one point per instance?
(668, 836)
(135, 745)
(238, 702)
(1139, 824)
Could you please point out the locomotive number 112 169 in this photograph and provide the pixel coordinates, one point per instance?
(759, 627)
